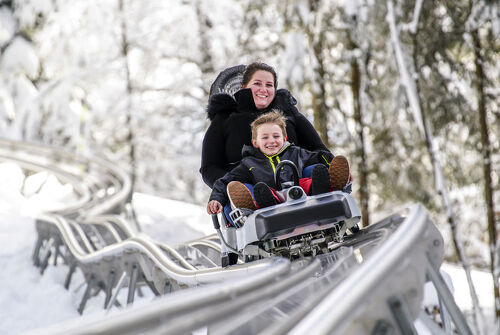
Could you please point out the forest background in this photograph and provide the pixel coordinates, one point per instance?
(407, 90)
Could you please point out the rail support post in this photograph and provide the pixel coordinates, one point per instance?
(67, 281)
(119, 286)
(447, 298)
(402, 315)
(109, 287)
(36, 251)
(86, 295)
(132, 284)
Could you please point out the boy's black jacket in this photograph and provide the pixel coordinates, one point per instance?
(257, 167)
(229, 130)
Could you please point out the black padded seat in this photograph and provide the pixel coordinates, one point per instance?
(285, 218)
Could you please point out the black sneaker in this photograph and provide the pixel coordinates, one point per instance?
(320, 180)
(263, 195)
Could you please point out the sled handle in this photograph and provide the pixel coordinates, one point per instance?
(215, 221)
(278, 173)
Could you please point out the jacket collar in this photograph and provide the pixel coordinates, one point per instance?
(250, 150)
(283, 99)
(245, 101)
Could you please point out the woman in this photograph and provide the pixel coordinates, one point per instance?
(230, 120)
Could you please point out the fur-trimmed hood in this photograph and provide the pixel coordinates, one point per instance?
(220, 103)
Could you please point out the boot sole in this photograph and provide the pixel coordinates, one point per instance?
(264, 196)
(339, 173)
(240, 196)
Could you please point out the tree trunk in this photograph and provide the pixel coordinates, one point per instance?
(320, 110)
(206, 66)
(364, 195)
(486, 155)
(318, 90)
(129, 120)
(129, 91)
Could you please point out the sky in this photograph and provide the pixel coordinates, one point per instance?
(25, 293)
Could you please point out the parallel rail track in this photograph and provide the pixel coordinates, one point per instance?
(372, 283)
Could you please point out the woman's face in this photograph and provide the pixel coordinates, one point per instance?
(263, 90)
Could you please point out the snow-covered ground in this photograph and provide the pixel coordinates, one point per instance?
(29, 300)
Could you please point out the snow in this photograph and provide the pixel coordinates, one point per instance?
(24, 290)
(482, 281)
(7, 25)
(20, 56)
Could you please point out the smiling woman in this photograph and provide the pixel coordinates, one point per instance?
(261, 80)
(230, 118)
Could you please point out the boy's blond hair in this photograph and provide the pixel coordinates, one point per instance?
(274, 117)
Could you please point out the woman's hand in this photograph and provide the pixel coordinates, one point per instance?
(214, 207)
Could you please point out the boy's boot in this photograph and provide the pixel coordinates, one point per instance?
(263, 195)
(320, 180)
(339, 173)
(240, 196)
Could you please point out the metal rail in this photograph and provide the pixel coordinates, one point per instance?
(371, 284)
(112, 186)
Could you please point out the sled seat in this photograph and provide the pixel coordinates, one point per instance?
(315, 213)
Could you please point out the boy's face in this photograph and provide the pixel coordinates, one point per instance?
(269, 138)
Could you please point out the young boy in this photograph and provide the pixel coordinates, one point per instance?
(259, 163)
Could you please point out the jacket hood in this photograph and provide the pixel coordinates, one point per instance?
(225, 103)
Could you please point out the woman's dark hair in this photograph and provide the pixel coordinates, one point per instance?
(250, 69)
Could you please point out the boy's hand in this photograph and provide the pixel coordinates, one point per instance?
(214, 207)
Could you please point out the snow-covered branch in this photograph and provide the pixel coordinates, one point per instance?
(406, 79)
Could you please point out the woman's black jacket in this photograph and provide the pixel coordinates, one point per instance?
(229, 130)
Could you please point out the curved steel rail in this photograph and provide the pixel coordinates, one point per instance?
(383, 268)
(104, 246)
(373, 282)
(111, 186)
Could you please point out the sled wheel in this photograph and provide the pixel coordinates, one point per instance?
(354, 229)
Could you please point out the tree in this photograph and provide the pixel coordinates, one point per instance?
(20, 68)
(480, 82)
(318, 46)
(412, 88)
